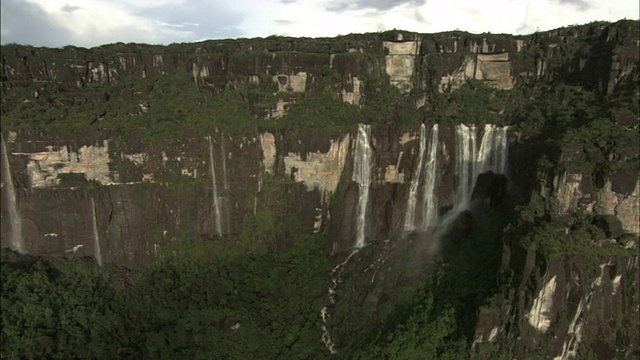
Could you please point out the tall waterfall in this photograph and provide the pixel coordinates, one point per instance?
(410, 213)
(426, 173)
(97, 253)
(17, 242)
(429, 197)
(493, 150)
(465, 162)
(470, 162)
(225, 185)
(362, 175)
(216, 204)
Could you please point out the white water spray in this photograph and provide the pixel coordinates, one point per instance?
(429, 197)
(493, 150)
(216, 205)
(225, 184)
(410, 213)
(465, 162)
(492, 156)
(17, 241)
(97, 253)
(362, 175)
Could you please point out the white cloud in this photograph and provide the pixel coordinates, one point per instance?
(95, 22)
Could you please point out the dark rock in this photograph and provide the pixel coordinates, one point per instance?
(611, 225)
(490, 189)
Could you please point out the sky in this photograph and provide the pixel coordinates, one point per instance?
(88, 23)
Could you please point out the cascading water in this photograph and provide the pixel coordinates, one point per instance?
(410, 214)
(362, 176)
(216, 204)
(336, 278)
(492, 156)
(427, 172)
(465, 162)
(429, 197)
(225, 185)
(17, 242)
(97, 253)
(493, 150)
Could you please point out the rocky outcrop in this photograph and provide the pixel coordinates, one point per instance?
(576, 192)
(561, 306)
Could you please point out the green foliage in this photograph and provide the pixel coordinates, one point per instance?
(432, 319)
(320, 111)
(185, 182)
(473, 103)
(534, 228)
(93, 184)
(234, 306)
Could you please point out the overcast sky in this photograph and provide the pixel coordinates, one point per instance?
(90, 23)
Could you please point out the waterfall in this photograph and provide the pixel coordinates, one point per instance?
(216, 205)
(225, 186)
(492, 156)
(362, 175)
(465, 162)
(410, 213)
(17, 242)
(97, 254)
(336, 278)
(429, 197)
(493, 150)
(428, 172)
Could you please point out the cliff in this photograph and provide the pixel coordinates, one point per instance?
(125, 152)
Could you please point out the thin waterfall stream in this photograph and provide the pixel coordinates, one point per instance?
(216, 204)
(97, 253)
(17, 241)
(362, 176)
(410, 213)
(429, 197)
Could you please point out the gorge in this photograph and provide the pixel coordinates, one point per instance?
(384, 195)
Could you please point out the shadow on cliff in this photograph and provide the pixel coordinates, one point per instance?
(425, 285)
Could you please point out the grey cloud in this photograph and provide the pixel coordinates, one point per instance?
(27, 23)
(287, 1)
(204, 19)
(346, 5)
(69, 9)
(283, 22)
(420, 18)
(580, 4)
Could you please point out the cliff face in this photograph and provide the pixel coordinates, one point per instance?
(558, 307)
(597, 56)
(116, 194)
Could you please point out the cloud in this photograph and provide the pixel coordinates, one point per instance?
(580, 4)
(24, 22)
(283, 22)
(214, 19)
(96, 22)
(380, 5)
(68, 8)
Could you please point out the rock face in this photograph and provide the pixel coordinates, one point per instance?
(558, 304)
(575, 191)
(414, 63)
